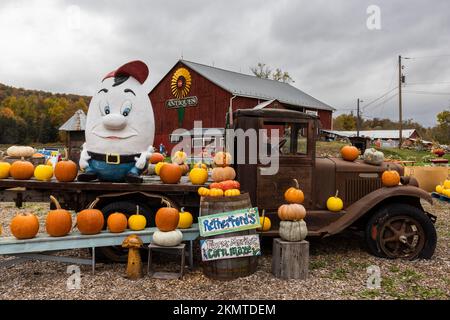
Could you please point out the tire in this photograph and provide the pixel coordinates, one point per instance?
(117, 253)
(401, 231)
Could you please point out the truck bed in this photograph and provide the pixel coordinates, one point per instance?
(78, 195)
(150, 184)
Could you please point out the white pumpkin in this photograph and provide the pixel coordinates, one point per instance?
(373, 156)
(20, 151)
(293, 230)
(167, 239)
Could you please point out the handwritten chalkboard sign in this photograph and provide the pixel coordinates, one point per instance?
(231, 247)
(232, 221)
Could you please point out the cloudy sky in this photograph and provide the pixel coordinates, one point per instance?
(326, 46)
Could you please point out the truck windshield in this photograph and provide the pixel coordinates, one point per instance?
(292, 137)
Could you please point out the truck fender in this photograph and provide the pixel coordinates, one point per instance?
(370, 201)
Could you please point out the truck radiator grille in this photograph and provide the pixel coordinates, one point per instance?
(355, 189)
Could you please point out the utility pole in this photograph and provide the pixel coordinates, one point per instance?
(400, 116)
(358, 117)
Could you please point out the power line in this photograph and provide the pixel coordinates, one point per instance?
(345, 109)
(424, 83)
(384, 101)
(430, 57)
(429, 92)
(380, 97)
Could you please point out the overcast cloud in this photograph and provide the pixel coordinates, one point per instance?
(324, 45)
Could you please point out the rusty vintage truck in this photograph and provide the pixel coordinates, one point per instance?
(393, 220)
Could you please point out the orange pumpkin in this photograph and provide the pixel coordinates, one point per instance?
(59, 221)
(156, 157)
(170, 173)
(215, 185)
(90, 221)
(37, 155)
(222, 159)
(220, 174)
(66, 171)
(117, 222)
(229, 184)
(24, 226)
(21, 170)
(390, 178)
(294, 194)
(291, 212)
(349, 153)
(167, 218)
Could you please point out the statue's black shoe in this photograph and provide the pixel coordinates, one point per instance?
(133, 178)
(87, 176)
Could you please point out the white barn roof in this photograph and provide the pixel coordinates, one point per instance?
(375, 134)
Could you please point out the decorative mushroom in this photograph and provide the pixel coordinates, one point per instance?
(134, 266)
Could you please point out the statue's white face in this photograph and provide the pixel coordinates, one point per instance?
(120, 118)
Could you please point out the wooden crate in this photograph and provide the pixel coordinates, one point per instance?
(290, 260)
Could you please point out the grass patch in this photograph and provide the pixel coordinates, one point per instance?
(339, 274)
(429, 293)
(318, 264)
(370, 294)
(406, 285)
(358, 265)
(388, 284)
(394, 269)
(410, 276)
(420, 157)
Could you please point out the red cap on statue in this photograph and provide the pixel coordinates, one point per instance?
(136, 69)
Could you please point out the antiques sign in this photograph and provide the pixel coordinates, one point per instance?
(228, 248)
(182, 103)
(238, 220)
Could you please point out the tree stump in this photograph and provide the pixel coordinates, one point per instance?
(290, 260)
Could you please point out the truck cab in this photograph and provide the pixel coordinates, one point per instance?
(393, 221)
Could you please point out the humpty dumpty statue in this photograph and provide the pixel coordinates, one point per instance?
(120, 127)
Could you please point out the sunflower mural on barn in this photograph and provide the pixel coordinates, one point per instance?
(180, 86)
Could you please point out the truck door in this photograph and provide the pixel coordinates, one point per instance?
(296, 161)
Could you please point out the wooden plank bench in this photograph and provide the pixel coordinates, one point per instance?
(31, 249)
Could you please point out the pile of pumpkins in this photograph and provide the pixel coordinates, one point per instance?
(370, 156)
(223, 176)
(168, 220)
(64, 170)
(291, 214)
(444, 188)
(169, 173)
(88, 221)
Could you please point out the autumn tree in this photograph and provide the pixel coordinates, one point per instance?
(263, 71)
(35, 116)
(345, 122)
(441, 132)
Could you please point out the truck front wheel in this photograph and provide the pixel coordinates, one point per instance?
(117, 253)
(401, 231)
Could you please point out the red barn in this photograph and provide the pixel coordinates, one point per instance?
(192, 91)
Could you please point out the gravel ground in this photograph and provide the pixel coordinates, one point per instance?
(338, 270)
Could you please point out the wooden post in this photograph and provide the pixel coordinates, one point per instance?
(290, 260)
(400, 116)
